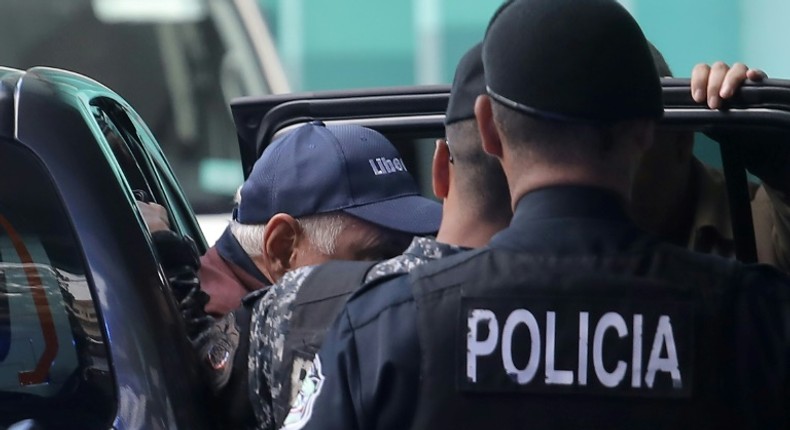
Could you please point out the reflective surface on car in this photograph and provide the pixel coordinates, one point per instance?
(178, 62)
(54, 366)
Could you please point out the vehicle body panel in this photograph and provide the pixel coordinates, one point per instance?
(151, 361)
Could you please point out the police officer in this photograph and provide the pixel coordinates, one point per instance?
(316, 193)
(572, 317)
(294, 315)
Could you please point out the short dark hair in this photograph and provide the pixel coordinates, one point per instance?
(479, 176)
(554, 141)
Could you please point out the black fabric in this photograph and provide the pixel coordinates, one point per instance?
(569, 249)
(571, 60)
(317, 304)
(629, 280)
(372, 358)
(180, 260)
(229, 248)
(233, 400)
(468, 83)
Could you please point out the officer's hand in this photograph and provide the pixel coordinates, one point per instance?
(155, 216)
(192, 308)
(712, 84)
(769, 157)
(180, 260)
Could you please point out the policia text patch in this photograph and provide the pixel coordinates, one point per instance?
(543, 345)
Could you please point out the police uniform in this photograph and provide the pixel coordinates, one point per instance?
(571, 317)
(269, 374)
(312, 170)
(459, 324)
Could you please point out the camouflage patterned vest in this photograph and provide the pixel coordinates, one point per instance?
(318, 302)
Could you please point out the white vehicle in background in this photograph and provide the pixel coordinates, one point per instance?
(179, 62)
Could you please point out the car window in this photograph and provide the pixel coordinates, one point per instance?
(179, 63)
(143, 165)
(54, 365)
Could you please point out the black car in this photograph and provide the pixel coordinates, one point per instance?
(90, 335)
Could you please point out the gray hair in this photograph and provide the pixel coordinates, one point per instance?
(249, 236)
(321, 230)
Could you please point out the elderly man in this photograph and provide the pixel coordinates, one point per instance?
(317, 193)
(312, 196)
(289, 322)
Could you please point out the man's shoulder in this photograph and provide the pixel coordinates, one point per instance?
(394, 293)
(378, 297)
(764, 279)
(294, 278)
(290, 282)
(281, 295)
(422, 250)
(449, 268)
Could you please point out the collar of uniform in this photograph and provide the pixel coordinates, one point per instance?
(230, 249)
(429, 248)
(569, 201)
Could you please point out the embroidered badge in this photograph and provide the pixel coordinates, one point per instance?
(302, 406)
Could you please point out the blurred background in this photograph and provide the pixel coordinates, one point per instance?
(180, 62)
(352, 43)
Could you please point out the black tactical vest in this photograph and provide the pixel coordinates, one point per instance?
(635, 340)
(318, 302)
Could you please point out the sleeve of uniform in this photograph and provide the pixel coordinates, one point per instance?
(259, 356)
(367, 372)
(762, 336)
(270, 324)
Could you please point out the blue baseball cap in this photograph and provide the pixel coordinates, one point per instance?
(316, 169)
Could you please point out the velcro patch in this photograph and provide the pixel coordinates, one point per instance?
(552, 345)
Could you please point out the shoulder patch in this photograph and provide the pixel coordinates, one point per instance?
(302, 405)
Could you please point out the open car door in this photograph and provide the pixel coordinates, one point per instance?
(413, 117)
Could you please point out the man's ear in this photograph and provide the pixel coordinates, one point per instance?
(492, 144)
(279, 242)
(441, 169)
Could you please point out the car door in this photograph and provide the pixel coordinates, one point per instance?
(412, 117)
(90, 336)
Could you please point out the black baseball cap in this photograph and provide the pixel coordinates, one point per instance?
(316, 169)
(468, 83)
(571, 60)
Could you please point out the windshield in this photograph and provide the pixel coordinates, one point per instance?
(178, 62)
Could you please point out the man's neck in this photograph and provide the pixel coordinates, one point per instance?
(543, 176)
(466, 234)
(462, 226)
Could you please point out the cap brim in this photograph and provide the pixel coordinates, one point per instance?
(408, 214)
